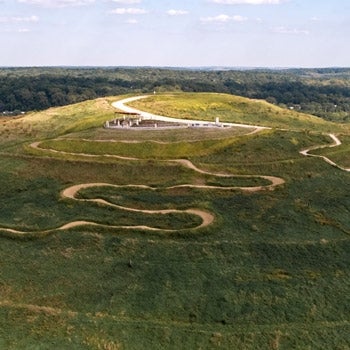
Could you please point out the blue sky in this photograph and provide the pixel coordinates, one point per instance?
(249, 33)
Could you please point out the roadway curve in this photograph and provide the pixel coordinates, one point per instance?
(150, 116)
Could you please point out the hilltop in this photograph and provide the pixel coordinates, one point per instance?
(227, 238)
(236, 109)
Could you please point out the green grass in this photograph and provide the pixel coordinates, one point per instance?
(261, 147)
(272, 272)
(37, 186)
(228, 108)
(340, 155)
(265, 147)
(142, 150)
(55, 121)
(174, 135)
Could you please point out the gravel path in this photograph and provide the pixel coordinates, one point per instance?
(336, 142)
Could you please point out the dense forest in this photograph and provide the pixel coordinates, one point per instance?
(323, 92)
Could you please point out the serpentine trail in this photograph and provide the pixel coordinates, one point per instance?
(206, 217)
(336, 142)
(71, 192)
(121, 106)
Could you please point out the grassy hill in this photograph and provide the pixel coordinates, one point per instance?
(340, 154)
(234, 109)
(271, 272)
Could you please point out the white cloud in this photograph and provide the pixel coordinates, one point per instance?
(14, 30)
(128, 11)
(248, 2)
(219, 18)
(223, 19)
(57, 3)
(19, 19)
(284, 30)
(128, 2)
(239, 18)
(132, 21)
(177, 12)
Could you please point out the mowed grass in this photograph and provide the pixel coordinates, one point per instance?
(142, 150)
(159, 135)
(208, 106)
(262, 147)
(272, 272)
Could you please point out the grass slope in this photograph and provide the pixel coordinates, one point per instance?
(340, 154)
(55, 121)
(272, 272)
(235, 109)
(143, 150)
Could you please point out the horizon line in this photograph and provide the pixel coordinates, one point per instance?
(213, 67)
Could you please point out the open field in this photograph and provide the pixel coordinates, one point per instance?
(271, 271)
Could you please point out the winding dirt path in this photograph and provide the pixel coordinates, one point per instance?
(36, 145)
(121, 105)
(206, 217)
(336, 142)
(275, 181)
(71, 192)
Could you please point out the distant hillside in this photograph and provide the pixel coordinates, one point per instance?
(323, 92)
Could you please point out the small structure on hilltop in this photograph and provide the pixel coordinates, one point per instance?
(130, 120)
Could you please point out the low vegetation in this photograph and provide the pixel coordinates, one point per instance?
(340, 154)
(142, 150)
(323, 92)
(232, 109)
(271, 271)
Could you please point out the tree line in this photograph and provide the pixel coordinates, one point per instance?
(323, 92)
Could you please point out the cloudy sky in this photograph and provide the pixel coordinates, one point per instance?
(249, 33)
